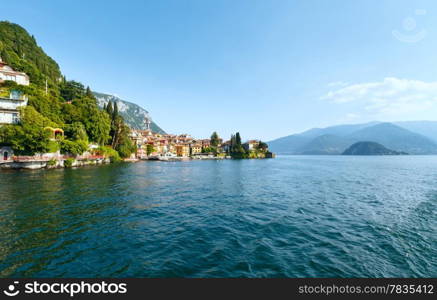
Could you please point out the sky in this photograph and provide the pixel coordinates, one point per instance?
(264, 68)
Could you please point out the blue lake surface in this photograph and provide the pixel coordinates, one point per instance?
(293, 216)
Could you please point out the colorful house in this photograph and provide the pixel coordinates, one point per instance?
(182, 150)
(195, 149)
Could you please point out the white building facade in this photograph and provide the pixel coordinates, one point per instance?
(9, 113)
(9, 105)
(7, 73)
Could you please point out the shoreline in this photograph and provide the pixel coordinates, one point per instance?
(72, 162)
(52, 163)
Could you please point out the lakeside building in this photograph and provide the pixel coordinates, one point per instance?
(182, 150)
(182, 145)
(250, 145)
(9, 107)
(11, 100)
(225, 147)
(7, 73)
(195, 149)
(205, 143)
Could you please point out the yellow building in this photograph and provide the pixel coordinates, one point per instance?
(182, 150)
(196, 149)
(172, 149)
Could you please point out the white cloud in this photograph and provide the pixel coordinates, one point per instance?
(392, 97)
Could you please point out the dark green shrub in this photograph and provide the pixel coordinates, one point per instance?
(51, 162)
(68, 163)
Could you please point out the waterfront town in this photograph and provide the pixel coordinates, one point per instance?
(169, 146)
(149, 145)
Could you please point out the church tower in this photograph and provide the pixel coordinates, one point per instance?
(147, 122)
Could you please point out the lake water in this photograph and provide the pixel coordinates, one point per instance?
(293, 216)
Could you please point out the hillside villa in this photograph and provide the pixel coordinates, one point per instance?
(10, 101)
(7, 73)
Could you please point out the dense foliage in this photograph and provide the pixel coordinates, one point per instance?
(236, 149)
(20, 50)
(119, 133)
(215, 140)
(54, 102)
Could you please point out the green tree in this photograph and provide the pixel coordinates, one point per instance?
(98, 126)
(209, 150)
(55, 101)
(75, 132)
(237, 139)
(237, 150)
(125, 146)
(262, 146)
(96, 122)
(71, 90)
(29, 137)
(115, 112)
(89, 93)
(232, 143)
(150, 149)
(109, 109)
(215, 139)
(20, 50)
(73, 147)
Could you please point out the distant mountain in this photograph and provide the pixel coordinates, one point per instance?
(370, 148)
(338, 130)
(296, 143)
(425, 128)
(132, 113)
(396, 138)
(336, 139)
(289, 144)
(326, 144)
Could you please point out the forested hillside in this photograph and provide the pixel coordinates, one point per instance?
(55, 101)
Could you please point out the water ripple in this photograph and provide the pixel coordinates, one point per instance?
(289, 217)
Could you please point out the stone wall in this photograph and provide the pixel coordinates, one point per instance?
(32, 165)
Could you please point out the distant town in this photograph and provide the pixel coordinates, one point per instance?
(155, 146)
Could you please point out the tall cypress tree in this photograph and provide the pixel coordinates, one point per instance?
(232, 145)
(89, 93)
(238, 139)
(115, 113)
(109, 109)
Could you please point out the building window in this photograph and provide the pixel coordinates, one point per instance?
(16, 95)
(15, 118)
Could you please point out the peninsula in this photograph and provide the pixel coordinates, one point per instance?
(370, 148)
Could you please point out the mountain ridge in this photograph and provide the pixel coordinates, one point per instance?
(336, 139)
(132, 113)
